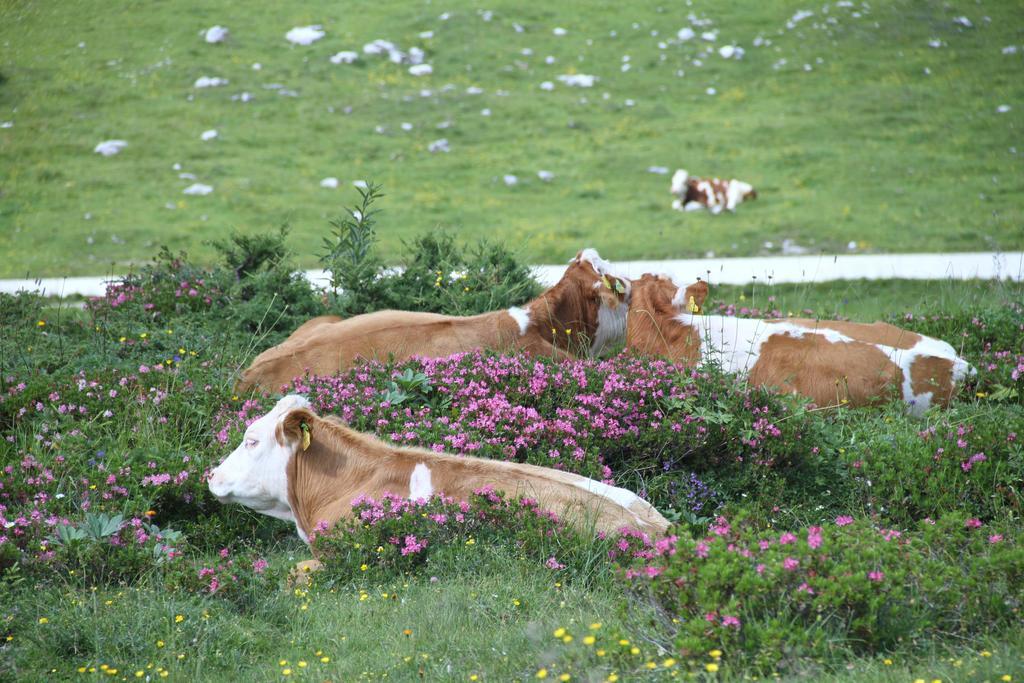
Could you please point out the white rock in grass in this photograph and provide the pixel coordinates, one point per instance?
(852, 246)
(197, 189)
(244, 96)
(305, 35)
(685, 33)
(208, 135)
(330, 183)
(210, 82)
(559, 31)
(711, 91)
(344, 57)
(546, 176)
(1010, 50)
(439, 146)
(798, 17)
(659, 170)
(215, 34)
(547, 85)
(518, 28)
(731, 52)
(416, 55)
(6, 124)
(426, 35)
(485, 112)
(709, 36)
(935, 43)
(379, 47)
(421, 70)
(963, 21)
(108, 148)
(361, 184)
(1003, 108)
(578, 80)
(256, 66)
(406, 126)
(510, 180)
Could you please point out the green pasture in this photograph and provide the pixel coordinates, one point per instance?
(852, 127)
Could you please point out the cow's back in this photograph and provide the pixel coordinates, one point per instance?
(384, 335)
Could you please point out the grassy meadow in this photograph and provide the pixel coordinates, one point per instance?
(846, 545)
(852, 126)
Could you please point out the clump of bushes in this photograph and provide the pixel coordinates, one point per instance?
(773, 601)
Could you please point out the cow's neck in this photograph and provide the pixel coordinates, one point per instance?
(324, 479)
(560, 317)
(655, 327)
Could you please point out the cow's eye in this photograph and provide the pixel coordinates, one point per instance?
(251, 443)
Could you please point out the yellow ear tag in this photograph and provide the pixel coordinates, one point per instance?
(692, 306)
(604, 279)
(305, 436)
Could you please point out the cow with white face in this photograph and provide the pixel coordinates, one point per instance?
(254, 474)
(297, 466)
(713, 194)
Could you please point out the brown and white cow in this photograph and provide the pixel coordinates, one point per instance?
(830, 362)
(585, 312)
(713, 194)
(273, 473)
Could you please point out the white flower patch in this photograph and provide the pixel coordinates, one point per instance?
(439, 146)
(578, 80)
(208, 135)
(210, 82)
(330, 183)
(344, 57)
(215, 34)
(197, 189)
(107, 148)
(421, 70)
(305, 35)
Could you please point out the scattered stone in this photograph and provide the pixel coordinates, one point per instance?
(510, 180)
(210, 82)
(344, 57)
(215, 34)
(578, 80)
(1003, 108)
(421, 70)
(546, 176)
(330, 183)
(305, 35)
(439, 146)
(686, 33)
(559, 31)
(197, 189)
(109, 148)
(208, 135)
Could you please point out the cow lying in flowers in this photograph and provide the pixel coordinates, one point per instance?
(305, 469)
(828, 361)
(713, 194)
(585, 312)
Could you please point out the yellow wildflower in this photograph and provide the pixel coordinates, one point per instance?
(596, 625)
(178, 619)
(44, 620)
(717, 654)
(711, 666)
(559, 632)
(589, 640)
(543, 673)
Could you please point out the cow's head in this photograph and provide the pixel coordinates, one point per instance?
(254, 474)
(679, 179)
(590, 301)
(745, 191)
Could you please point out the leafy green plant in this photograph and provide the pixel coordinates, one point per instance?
(348, 255)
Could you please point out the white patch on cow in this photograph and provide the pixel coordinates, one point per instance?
(693, 206)
(679, 179)
(735, 343)
(926, 347)
(734, 195)
(420, 486)
(594, 259)
(611, 326)
(620, 497)
(677, 205)
(254, 474)
(522, 318)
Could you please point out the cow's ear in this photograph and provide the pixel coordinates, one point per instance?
(297, 427)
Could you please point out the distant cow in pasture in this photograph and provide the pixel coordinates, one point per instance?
(305, 469)
(585, 312)
(713, 194)
(830, 362)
